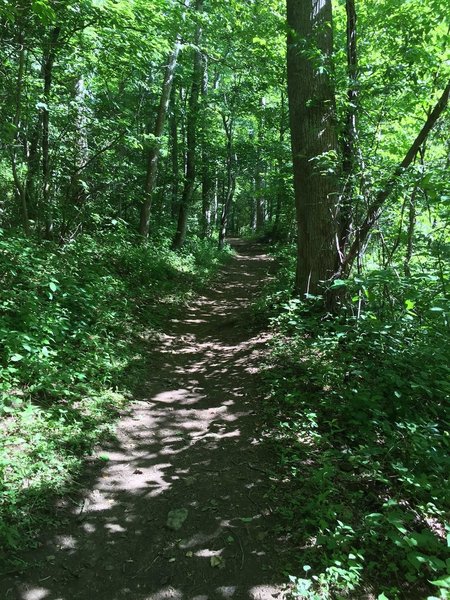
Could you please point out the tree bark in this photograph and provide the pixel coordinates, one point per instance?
(154, 151)
(314, 141)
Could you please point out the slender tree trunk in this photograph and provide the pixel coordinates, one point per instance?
(259, 175)
(33, 171)
(215, 202)
(47, 73)
(252, 207)
(280, 180)
(410, 231)
(231, 181)
(20, 187)
(82, 146)
(174, 156)
(153, 153)
(314, 140)
(350, 131)
(225, 215)
(191, 140)
(260, 199)
(207, 188)
(207, 183)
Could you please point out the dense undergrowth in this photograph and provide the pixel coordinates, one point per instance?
(70, 324)
(358, 407)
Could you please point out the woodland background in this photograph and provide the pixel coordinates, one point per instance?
(135, 136)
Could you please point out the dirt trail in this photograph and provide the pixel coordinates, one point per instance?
(191, 442)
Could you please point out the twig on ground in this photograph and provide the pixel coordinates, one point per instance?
(235, 535)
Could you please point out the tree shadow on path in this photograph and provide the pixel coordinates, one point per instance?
(190, 442)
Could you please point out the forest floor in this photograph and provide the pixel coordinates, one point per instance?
(177, 504)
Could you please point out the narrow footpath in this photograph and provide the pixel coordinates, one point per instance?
(180, 509)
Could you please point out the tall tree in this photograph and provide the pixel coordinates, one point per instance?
(207, 181)
(230, 179)
(47, 76)
(154, 151)
(260, 200)
(349, 138)
(20, 187)
(314, 140)
(191, 137)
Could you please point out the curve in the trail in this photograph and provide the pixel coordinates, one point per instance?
(180, 510)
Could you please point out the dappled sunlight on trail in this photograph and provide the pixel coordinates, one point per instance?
(189, 443)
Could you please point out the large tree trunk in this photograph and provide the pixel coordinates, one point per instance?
(153, 153)
(191, 140)
(314, 140)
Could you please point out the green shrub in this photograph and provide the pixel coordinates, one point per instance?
(359, 407)
(69, 320)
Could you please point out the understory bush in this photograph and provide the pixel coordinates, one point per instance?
(358, 402)
(70, 319)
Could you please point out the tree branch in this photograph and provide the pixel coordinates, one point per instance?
(374, 209)
(99, 152)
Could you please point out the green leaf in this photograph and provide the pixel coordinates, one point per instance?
(339, 283)
(442, 583)
(217, 561)
(409, 304)
(260, 41)
(16, 357)
(44, 11)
